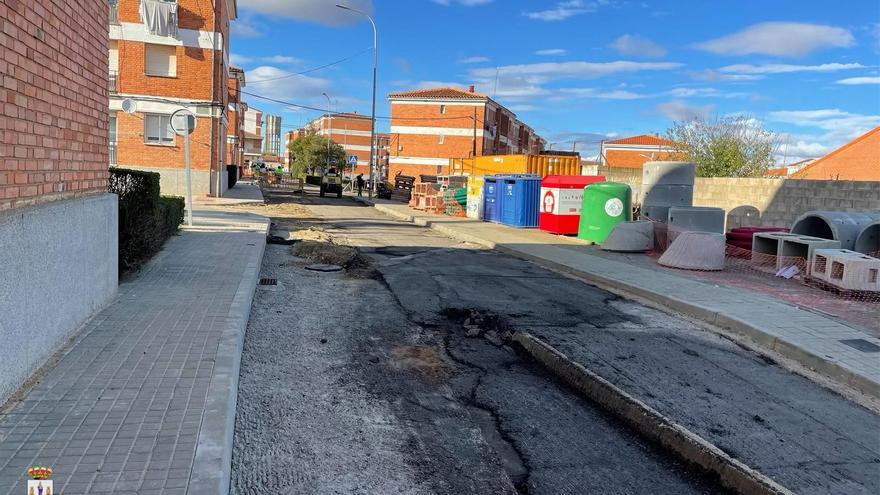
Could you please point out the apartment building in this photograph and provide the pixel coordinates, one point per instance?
(166, 55)
(633, 151)
(253, 135)
(58, 224)
(235, 114)
(430, 126)
(352, 132)
(272, 140)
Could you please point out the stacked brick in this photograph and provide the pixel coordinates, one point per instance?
(427, 197)
(53, 101)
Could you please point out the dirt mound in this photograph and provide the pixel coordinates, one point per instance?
(327, 253)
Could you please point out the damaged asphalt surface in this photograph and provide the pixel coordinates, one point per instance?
(394, 376)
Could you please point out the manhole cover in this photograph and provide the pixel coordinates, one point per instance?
(268, 281)
(324, 268)
(862, 345)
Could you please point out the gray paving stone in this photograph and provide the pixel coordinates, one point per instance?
(131, 391)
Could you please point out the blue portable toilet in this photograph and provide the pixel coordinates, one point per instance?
(520, 200)
(492, 198)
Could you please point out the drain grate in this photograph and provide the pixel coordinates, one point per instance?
(268, 281)
(862, 345)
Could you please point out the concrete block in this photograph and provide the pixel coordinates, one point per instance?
(630, 237)
(786, 246)
(696, 251)
(696, 218)
(845, 269)
(672, 173)
(668, 195)
(656, 213)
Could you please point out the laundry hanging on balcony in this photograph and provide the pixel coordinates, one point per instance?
(160, 17)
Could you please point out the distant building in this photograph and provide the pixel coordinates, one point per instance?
(430, 126)
(857, 160)
(632, 152)
(177, 58)
(272, 142)
(58, 223)
(235, 118)
(352, 132)
(253, 135)
(788, 170)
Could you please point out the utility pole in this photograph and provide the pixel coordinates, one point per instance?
(329, 132)
(474, 151)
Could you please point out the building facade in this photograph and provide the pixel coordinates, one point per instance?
(858, 159)
(352, 132)
(430, 126)
(235, 114)
(632, 152)
(272, 141)
(253, 136)
(58, 224)
(164, 56)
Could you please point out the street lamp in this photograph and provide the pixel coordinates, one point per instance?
(373, 115)
(329, 131)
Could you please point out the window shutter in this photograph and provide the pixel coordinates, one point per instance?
(161, 60)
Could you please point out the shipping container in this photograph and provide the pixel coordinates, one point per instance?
(541, 165)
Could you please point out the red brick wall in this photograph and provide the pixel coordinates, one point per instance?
(856, 160)
(132, 151)
(53, 100)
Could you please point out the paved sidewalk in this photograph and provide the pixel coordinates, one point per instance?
(808, 338)
(143, 400)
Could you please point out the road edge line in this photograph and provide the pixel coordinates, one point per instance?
(649, 422)
(211, 472)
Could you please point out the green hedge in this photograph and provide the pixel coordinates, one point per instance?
(146, 220)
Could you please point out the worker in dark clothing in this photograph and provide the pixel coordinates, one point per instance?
(360, 183)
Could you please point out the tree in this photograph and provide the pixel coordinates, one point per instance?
(732, 146)
(310, 154)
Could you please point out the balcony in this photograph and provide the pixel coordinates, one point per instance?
(114, 11)
(113, 81)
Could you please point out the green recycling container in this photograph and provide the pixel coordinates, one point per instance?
(605, 204)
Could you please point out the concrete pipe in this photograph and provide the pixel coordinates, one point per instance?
(630, 237)
(696, 251)
(843, 226)
(868, 241)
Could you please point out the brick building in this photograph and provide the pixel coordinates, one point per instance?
(352, 132)
(58, 224)
(164, 56)
(632, 152)
(235, 114)
(253, 135)
(430, 126)
(857, 160)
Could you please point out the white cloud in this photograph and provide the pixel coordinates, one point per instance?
(281, 59)
(439, 84)
(616, 94)
(279, 84)
(523, 108)
(466, 3)
(244, 28)
(786, 68)
(320, 11)
(563, 10)
(679, 111)
(860, 80)
(638, 46)
(839, 126)
(792, 39)
(703, 93)
(541, 72)
(477, 59)
(551, 52)
(238, 60)
(713, 75)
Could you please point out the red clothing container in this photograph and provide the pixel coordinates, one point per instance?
(561, 198)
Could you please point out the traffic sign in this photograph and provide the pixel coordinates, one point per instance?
(352, 160)
(183, 122)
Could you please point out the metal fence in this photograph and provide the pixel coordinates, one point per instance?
(113, 80)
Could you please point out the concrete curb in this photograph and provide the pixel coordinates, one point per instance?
(648, 422)
(212, 466)
(745, 333)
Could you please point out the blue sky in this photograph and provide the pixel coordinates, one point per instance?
(581, 70)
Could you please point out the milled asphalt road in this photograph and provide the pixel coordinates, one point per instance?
(371, 384)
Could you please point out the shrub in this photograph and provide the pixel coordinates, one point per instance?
(146, 220)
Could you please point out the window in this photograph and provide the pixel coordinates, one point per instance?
(442, 139)
(160, 60)
(157, 129)
(442, 109)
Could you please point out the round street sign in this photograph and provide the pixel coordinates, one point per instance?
(183, 122)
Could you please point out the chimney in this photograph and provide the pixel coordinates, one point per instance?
(471, 89)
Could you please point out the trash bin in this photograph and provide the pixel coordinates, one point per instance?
(492, 198)
(561, 199)
(520, 198)
(605, 205)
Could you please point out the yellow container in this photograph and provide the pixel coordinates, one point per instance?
(542, 165)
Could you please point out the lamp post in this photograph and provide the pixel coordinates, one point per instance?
(373, 114)
(329, 131)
